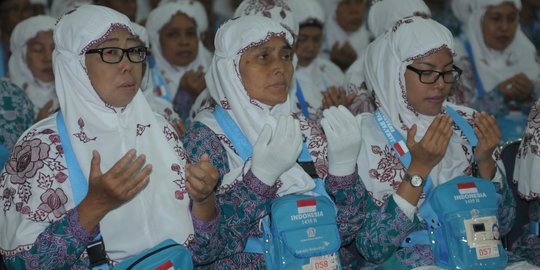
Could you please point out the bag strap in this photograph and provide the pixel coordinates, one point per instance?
(478, 83)
(301, 99)
(160, 87)
(95, 250)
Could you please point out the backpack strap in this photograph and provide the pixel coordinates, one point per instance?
(95, 250)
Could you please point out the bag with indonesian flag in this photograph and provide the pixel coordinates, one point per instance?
(304, 233)
(463, 225)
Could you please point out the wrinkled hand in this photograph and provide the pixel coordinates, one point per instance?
(518, 88)
(430, 150)
(275, 153)
(193, 81)
(45, 111)
(343, 56)
(119, 184)
(202, 179)
(335, 96)
(489, 136)
(343, 134)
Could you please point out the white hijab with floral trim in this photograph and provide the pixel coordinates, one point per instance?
(226, 88)
(20, 74)
(161, 210)
(496, 66)
(383, 14)
(335, 34)
(161, 16)
(528, 157)
(384, 67)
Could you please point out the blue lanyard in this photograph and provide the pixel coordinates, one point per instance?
(398, 143)
(79, 186)
(301, 100)
(3, 72)
(158, 81)
(479, 86)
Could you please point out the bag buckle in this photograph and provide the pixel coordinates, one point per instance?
(96, 253)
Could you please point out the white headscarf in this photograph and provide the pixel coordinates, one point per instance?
(383, 14)
(39, 92)
(461, 9)
(496, 66)
(155, 214)
(320, 73)
(277, 10)
(59, 7)
(306, 10)
(384, 67)
(226, 88)
(528, 157)
(335, 34)
(161, 16)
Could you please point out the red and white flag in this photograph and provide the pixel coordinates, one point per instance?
(401, 148)
(306, 206)
(466, 188)
(166, 266)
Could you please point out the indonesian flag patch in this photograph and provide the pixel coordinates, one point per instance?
(166, 266)
(466, 188)
(306, 206)
(401, 148)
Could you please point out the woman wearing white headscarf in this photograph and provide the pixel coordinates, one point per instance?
(30, 64)
(414, 105)
(315, 75)
(59, 7)
(526, 173)
(382, 15)
(500, 70)
(346, 34)
(249, 80)
(179, 57)
(53, 210)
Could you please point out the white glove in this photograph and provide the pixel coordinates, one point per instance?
(274, 154)
(343, 135)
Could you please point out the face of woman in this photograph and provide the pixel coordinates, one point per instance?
(39, 56)
(350, 14)
(267, 70)
(179, 40)
(427, 99)
(499, 25)
(116, 84)
(308, 44)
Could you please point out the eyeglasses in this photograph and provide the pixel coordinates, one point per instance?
(113, 55)
(431, 76)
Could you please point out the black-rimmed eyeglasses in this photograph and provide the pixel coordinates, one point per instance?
(431, 76)
(113, 55)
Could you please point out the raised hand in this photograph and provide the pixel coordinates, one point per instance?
(518, 87)
(276, 152)
(109, 190)
(343, 56)
(343, 134)
(335, 96)
(193, 81)
(430, 150)
(202, 179)
(489, 136)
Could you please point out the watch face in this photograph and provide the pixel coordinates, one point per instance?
(416, 181)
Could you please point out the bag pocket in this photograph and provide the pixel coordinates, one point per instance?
(166, 255)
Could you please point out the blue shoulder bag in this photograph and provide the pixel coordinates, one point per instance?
(166, 255)
(460, 215)
(301, 232)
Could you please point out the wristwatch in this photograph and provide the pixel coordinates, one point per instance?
(415, 180)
